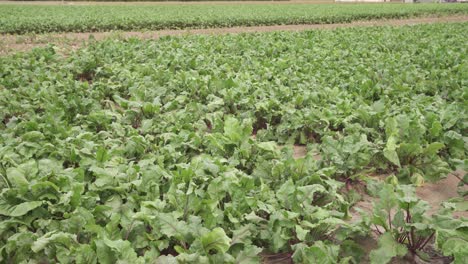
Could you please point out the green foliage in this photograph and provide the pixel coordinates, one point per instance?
(21, 19)
(408, 228)
(216, 240)
(319, 252)
(388, 248)
(139, 151)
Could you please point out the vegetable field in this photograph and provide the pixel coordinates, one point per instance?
(181, 149)
(18, 19)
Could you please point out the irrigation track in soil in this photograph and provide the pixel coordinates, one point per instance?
(71, 41)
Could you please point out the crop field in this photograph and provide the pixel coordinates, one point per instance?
(19, 19)
(183, 149)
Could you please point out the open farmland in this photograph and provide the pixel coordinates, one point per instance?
(182, 149)
(19, 19)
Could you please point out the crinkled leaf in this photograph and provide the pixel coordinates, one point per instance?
(388, 248)
(18, 209)
(390, 151)
(54, 237)
(217, 240)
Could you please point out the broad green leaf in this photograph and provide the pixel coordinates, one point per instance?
(417, 179)
(388, 248)
(433, 148)
(17, 178)
(388, 198)
(53, 237)
(456, 247)
(269, 146)
(407, 194)
(249, 255)
(171, 227)
(319, 252)
(217, 240)
(102, 155)
(123, 249)
(85, 254)
(353, 250)
(301, 233)
(390, 151)
(18, 209)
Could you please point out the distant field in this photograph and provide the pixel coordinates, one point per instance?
(98, 2)
(18, 19)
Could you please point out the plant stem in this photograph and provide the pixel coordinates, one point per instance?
(419, 242)
(5, 179)
(402, 238)
(377, 229)
(186, 207)
(408, 214)
(129, 230)
(389, 220)
(410, 239)
(376, 232)
(413, 237)
(427, 240)
(461, 179)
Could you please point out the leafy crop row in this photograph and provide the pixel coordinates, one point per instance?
(49, 18)
(143, 151)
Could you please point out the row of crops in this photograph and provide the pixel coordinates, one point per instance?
(132, 1)
(67, 18)
(181, 149)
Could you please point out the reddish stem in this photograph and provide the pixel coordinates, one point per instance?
(427, 240)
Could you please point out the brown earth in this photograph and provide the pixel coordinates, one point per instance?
(300, 151)
(438, 192)
(433, 193)
(71, 41)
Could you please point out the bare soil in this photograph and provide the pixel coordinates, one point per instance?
(71, 41)
(299, 151)
(433, 193)
(438, 192)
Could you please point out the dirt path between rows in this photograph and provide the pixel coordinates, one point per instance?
(71, 41)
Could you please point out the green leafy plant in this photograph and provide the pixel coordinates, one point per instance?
(409, 152)
(403, 226)
(81, 18)
(181, 149)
